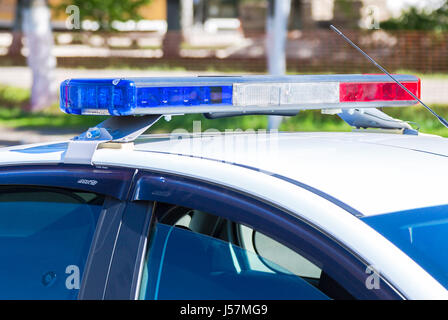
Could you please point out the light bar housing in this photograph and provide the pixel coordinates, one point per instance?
(245, 94)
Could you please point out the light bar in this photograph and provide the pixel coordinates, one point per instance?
(139, 96)
(377, 91)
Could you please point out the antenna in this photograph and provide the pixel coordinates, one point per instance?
(442, 120)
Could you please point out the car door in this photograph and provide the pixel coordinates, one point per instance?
(206, 241)
(58, 226)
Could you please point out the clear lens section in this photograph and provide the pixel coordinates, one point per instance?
(277, 94)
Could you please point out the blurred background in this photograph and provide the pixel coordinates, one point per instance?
(43, 42)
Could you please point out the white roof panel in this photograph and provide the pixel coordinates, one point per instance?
(373, 173)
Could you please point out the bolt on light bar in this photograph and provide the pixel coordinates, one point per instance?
(182, 95)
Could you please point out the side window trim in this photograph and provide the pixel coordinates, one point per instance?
(128, 252)
(218, 200)
(114, 182)
(101, 251)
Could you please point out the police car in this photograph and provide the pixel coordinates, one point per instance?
(114, 214)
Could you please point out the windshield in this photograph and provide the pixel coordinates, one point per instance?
(422, 234)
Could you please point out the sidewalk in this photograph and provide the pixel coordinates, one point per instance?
(16, 136)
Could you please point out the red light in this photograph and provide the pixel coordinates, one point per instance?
(377, 91)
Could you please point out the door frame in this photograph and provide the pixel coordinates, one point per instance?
(113, 183)
(275, 222)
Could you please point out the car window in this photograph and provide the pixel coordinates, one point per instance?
(271, 253)
(45, 237)
(421, 234)
(197, 255)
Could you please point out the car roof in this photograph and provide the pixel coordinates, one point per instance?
(374, 173)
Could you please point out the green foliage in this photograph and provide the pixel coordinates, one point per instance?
(346, 6)
(419, 19)
(13, 94)
(11, 115)
(44, 120)
(13, 97)
(106, 11)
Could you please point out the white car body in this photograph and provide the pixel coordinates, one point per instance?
(338, 176)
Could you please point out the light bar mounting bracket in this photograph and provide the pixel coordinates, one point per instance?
(120, 129)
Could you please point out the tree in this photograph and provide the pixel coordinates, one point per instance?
(414, 18)
(39, 40)
(16, 44)
(173, 37)
(106, 11)
(276, 33)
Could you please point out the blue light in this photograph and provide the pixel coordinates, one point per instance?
(184, 96)
(97, 96)
(122, 97)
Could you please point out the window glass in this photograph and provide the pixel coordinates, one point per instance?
(421, 234)
(186, 265)
(268, 250)
(196, 255)
(45, 237)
